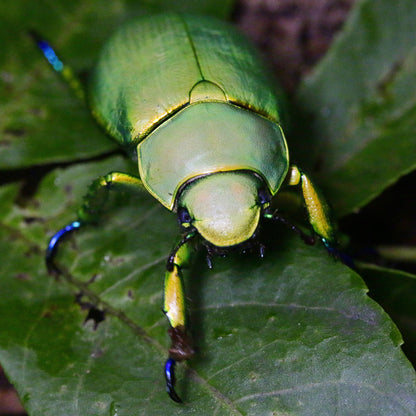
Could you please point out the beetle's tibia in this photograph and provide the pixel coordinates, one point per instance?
(170, 380)
(316, 206)
(53, 245)
(318, 210)
(97, 195)
(174, 297)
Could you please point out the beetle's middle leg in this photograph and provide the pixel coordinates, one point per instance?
(175, 310)
(92, 207)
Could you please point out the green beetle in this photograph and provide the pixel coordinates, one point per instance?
(190, 97)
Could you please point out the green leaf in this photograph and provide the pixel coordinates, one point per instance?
(292, 333)
(396, 291)
(362, 99)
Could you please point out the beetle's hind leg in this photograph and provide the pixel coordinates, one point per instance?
(175, 310)
(65, 71)
(91, 209)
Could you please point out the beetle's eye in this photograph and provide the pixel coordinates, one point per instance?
(263, 196)
(184, 217)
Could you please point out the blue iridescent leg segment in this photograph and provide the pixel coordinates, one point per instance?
(65, 71)
(170, 380)
(53, 245)
(49, 53)
(334, 252)
(91, 209)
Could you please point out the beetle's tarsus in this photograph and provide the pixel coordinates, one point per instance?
(170, 380)
(339, 255)
(53, 246)
(307, 238)
(180, 350)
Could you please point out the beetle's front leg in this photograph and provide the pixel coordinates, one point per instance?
(316, 206)
(174, 307)
(91, 208)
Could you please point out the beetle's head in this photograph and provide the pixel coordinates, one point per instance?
(223, 207)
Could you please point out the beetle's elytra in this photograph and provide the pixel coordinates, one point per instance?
(192, 99)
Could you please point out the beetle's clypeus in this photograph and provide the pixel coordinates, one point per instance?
(191, 97)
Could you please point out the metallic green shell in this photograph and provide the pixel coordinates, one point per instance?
(148, 68)
(158, 72)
